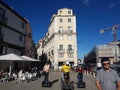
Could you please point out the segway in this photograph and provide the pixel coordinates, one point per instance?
(46, 84)
(66, 84)
(81, 84)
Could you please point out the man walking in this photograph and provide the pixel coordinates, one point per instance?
(107, 78)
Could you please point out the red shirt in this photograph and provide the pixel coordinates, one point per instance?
(80, 70)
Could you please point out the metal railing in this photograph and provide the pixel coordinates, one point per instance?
(61, 50)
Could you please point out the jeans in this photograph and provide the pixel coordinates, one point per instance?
(62, 76)
(80, 77)
(46, 75)
(66, 76)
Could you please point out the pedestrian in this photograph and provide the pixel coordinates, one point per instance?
(21, 75)
(1, 74)
(90, 70)
(80, 74)
(107, 78)
(46, 69)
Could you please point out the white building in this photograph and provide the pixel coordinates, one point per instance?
(60, 43)
(39, 48)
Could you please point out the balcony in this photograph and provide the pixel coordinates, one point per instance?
(65, 31)
(70, 51)
(61, 51)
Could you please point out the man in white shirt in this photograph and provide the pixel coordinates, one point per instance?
(46, 69)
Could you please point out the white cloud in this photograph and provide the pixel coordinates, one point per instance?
(111, 5)
(86, 2)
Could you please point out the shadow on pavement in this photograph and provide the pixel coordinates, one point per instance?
(54, 81)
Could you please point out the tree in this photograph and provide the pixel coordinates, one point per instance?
(43, 58)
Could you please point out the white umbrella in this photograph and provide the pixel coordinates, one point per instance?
(11, 57)
(26, 58)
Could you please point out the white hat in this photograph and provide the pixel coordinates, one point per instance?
(67, 62)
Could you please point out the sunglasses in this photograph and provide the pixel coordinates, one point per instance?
(106, 63)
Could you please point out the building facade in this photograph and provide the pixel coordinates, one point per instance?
(29, 44)
(60, 42)
(111, 51)
(15, 32)
(39, 48)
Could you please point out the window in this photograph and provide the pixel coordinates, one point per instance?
(0, 30)
(22, 25)
(60, 29)
(60, 12)
(69, 28)
(61, 47)
(69, 12)
(28, 51)
(49, 53)
(69, 47)
(2, 14)
(20, 38)
(30, 35)
(69, 37)
(69, 19)
(1, 34)
(52, 53)
(1, 49)
(60, 37)
(61, 20)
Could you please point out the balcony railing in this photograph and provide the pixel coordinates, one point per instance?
(61, 50)
(65, 31)
(70, 50)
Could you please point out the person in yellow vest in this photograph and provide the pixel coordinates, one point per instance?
(66, 70)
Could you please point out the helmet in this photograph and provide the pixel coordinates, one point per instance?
(67, 62)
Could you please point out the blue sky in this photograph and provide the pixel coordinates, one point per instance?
(92, 15)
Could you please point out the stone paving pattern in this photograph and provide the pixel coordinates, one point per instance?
(54, 77)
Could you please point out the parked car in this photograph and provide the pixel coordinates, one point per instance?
(95, 70)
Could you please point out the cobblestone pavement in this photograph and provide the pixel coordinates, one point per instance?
(54, 77)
